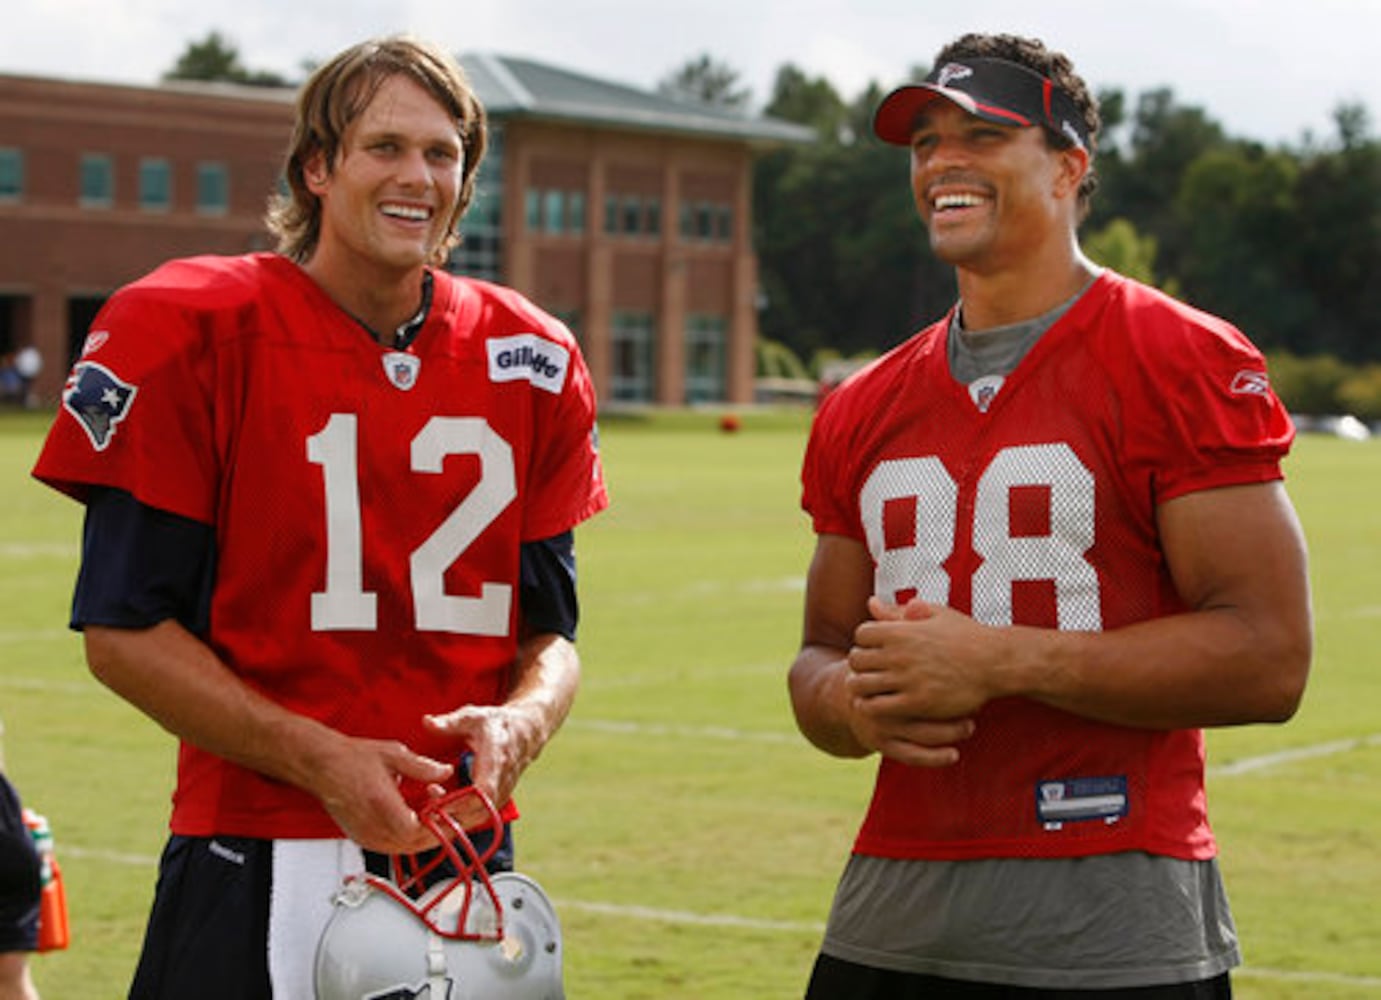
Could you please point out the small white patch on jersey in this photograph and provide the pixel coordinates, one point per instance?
(94, 342)
(225, 853)
(1250, 383)
(527, 356)
(984, 390)
(402, 369)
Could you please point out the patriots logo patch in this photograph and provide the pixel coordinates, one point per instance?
(99, 400)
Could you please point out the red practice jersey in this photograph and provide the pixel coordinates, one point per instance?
(369, 504)
(1037, 506)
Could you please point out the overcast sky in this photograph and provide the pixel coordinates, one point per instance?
(1264, 69)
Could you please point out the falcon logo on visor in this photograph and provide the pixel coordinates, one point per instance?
(952, 72)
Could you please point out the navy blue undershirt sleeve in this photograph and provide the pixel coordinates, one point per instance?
(141, 566)
(546, 586)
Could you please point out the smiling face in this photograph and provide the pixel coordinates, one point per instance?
(388, 200)
(993, 197)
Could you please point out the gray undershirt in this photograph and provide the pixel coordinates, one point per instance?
(997, 351)
(1106, 922)
(1111, 921)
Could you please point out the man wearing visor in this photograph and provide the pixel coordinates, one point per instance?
(1053, 545)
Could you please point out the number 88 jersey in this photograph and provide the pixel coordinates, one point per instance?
(1037, 507)
(368, 503)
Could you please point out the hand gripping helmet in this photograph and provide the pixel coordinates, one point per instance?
(469, 937)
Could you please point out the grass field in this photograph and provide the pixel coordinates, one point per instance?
(690, 838)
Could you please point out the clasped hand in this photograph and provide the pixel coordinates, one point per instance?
(916, 679)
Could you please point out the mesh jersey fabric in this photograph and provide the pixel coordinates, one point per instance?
(1041, 511)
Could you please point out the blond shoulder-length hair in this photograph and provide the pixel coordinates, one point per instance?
(334, 96)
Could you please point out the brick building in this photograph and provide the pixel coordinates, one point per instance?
(626, 213)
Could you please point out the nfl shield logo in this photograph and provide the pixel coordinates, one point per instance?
(402, 369)
(984, 390)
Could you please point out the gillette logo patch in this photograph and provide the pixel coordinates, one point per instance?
(528, 357)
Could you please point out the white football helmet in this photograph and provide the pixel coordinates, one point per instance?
(469, 937)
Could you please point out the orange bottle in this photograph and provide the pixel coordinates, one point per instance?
(54, 932)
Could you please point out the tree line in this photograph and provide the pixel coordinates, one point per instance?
(1284, 241)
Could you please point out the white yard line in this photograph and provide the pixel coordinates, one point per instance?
(38, 550)
(686, 918)
(37, 635)
(734, 921)
(1267, 761)
(1245, 765)
(615, 727)
(1302, 976)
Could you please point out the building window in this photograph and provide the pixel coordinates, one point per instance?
(633, 215)
(550, 210)
(705, 358)
(724, 224)
(480, 253)
(707, 222)
(11, 174)
(554, 211)
(97, 181)
(631, 338)
(213, 188)
(532, 210)
(155, 185)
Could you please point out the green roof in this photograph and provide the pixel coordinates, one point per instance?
(520, 88)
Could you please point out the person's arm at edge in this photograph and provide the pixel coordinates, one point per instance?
(16, 982)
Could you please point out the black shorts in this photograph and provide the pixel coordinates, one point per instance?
(836, 979)
(19, 876)
(208, 932)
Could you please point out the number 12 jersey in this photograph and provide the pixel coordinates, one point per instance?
(368, 503)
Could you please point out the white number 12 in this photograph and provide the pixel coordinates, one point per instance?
(345, 604)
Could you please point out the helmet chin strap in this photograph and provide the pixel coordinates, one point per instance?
(438, 983)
